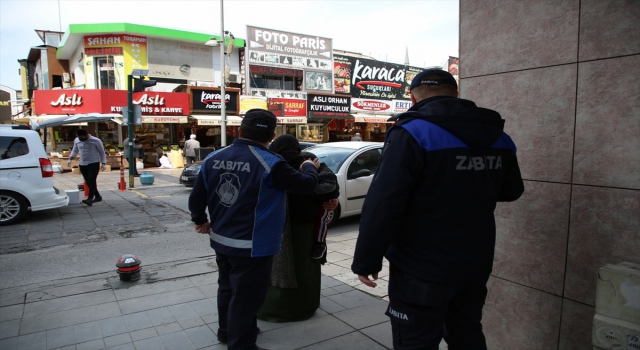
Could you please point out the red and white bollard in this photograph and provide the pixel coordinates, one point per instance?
(123, 186)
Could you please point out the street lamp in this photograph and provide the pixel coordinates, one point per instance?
(213, 42)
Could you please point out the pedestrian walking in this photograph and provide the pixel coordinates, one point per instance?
(190, 147)
(243, 187)
(356, 137)
(92, 155)
(430, 212)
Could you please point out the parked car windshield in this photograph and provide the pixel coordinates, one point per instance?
(333, 157)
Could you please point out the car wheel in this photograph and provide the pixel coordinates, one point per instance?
(333, 217)
(13, 207)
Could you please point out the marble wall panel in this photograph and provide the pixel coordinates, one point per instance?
(518, 317)
(608, 123)
(576, 324)
(499, 36)
(604, 229)
(539, 108)
(609, 28)
(531, 238)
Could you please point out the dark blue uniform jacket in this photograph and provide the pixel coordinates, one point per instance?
(429, 209)
(244, 186)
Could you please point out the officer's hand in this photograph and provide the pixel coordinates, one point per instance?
(310, 162)
(103, 167)
(367, 281)
(316, 162)
(69, 162)
(204, 228)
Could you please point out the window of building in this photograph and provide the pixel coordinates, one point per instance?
(105, 73)
(261, 81)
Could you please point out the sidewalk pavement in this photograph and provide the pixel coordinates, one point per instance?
(173, 305)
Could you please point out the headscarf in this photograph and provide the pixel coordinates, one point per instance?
(284, 143)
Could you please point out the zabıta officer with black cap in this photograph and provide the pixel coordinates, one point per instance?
(243, 187)
(429, 211)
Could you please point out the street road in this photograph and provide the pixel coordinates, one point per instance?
(154, 240)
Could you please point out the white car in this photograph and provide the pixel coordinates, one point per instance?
(25, 175)
(354, 163)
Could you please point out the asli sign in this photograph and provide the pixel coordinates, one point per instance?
(328, 106)
(158, 104)
(69, 101)
(109, 101)
(292, 107)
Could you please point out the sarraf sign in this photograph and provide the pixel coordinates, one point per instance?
(287, 107)
(328, 106)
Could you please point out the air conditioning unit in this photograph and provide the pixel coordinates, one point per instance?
(66, 77)
(234, 78)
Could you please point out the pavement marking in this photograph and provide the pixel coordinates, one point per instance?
(140, 194)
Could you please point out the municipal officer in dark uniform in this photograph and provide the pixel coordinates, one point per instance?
(429, 211)
(244, 188)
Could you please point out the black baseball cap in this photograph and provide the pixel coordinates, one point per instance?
(435, 77)
(260, 118)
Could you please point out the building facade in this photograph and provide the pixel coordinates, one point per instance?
(565, 75)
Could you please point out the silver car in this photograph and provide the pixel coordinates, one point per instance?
(354, 163)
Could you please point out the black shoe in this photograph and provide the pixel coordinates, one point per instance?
(318, 250)
(97, 199)
(88, 202)
(223, 337)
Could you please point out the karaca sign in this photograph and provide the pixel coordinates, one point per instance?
(109, 101)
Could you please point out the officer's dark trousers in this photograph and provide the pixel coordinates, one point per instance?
(90, 174)
(423, 313)
(242, 288)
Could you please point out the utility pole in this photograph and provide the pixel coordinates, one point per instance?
(134, 85)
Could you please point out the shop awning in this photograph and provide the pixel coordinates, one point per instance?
(164, 120)
(232, 120)
(39, 122)
(292, 120)
(371, 118)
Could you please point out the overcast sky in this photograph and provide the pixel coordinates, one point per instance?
(380, 28)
